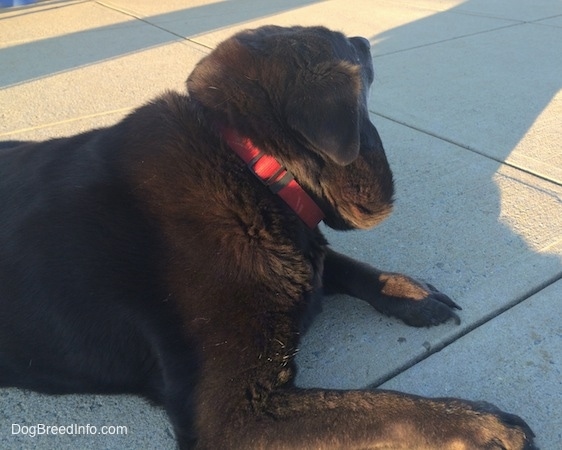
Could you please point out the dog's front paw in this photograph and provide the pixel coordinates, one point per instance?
(491, 427)
(415, 303)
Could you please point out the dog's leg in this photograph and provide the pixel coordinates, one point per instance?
(416, 303)
(245, 397)
(319, 419)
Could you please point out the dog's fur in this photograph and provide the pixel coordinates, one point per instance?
(147, 258)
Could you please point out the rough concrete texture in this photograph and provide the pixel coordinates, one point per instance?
(468, 101)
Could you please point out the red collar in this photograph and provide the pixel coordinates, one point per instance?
(275, 176)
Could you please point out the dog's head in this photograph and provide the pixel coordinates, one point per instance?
(301, 94)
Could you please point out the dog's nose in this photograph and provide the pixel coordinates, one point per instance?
(361, 42)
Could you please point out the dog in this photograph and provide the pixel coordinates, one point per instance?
(176, 255)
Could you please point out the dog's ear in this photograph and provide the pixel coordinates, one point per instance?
(324, 109)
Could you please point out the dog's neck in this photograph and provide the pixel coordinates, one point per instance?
(275, 176)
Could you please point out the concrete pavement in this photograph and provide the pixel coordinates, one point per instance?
(468, 101)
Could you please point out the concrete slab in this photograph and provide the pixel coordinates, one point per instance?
(107, 422)
(105, 87)
(496, 93)
(86, 91)
(201, 16)
(86, 72)
(513, 361)
(65, 42)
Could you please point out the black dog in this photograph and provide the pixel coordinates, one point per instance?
(176, 255)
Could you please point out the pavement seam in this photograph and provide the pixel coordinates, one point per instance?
(491, 16)
(538, 21)
(454, 38)
(470, 149)
(62, 122)
(469, 329)
(146, 21)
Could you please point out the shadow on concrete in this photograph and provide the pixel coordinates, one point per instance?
(54, 55)
(491, 102)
